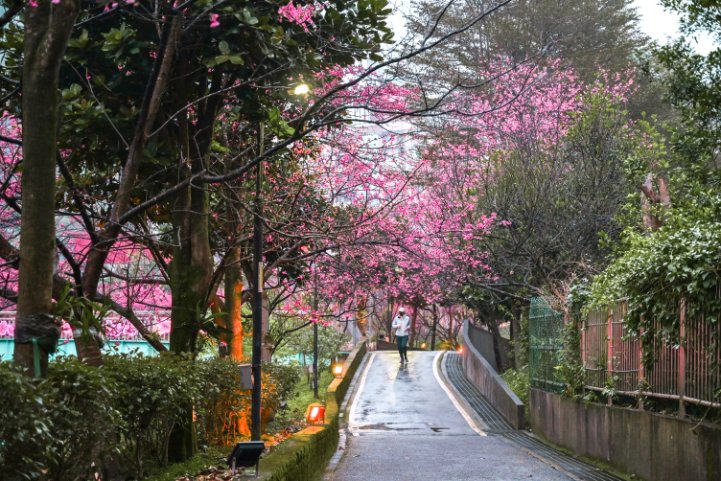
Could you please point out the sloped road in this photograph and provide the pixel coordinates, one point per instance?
(405, 426)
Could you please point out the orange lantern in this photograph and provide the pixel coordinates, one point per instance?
(460, 349)
(315, 414)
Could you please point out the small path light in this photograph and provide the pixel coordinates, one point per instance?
(460, 349)
(315, 414)
(424, 345)
(246, 455)
(338, 369)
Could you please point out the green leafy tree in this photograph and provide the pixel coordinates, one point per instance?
(588, 35)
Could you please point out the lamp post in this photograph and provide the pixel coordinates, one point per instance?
(315, 334)
(257, 294)
(301, 90)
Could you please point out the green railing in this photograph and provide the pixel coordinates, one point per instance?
(545, 328)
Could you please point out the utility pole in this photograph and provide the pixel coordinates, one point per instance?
(257, 294)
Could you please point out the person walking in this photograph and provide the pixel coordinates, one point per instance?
(402, 326)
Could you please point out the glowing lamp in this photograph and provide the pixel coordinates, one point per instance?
(301, 89)
(460, 349)
(337, 370)
(424, 345)
(315, 414)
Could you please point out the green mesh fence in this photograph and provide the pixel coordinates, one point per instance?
(545, 328)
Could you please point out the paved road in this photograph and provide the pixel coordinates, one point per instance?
(404, 427)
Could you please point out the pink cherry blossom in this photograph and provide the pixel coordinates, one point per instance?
(300, 15)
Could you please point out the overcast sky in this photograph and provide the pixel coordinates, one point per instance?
(662, 25)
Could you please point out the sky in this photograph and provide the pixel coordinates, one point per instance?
(661, 25)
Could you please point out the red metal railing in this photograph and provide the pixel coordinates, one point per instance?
(688, 370)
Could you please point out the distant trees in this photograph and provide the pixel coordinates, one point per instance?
(586, 35)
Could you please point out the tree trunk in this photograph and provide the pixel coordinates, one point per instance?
(190, 275)
(155, 90)
(435, 326)
(191, 269)
(652, 199)
(234, 305)
(362, 317)
(412, 339)
(266, 350)
(492, 324)
(47, 30)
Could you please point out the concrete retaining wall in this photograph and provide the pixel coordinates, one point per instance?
(651, 446)
(482, 340)
(304, 456)
(481, 373)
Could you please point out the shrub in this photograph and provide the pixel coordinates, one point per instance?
(285, 376)
(83, 416)
(24, 431)
(519, 381)
(150, 393)
(66, 426)
(225, 408)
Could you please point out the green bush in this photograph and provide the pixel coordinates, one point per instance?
(149, 394)
(83, 416)
(69, 425)
(24, 432)
(519, 381)
(287, 377)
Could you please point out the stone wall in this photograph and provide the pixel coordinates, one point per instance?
(651, 446)
(481, 373)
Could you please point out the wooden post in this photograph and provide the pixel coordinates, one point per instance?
(609, 351)
(682, 359)
(641, 370)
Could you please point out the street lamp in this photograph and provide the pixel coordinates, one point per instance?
(315, 333)
(257, 294)
(301, 89)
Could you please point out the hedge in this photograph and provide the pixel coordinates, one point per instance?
(69, 425)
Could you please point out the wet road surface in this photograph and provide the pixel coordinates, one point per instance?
(405, 427)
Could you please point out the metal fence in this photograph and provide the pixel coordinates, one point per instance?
(545, 345)
(687, 370)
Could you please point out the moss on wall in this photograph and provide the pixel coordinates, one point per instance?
(304, 456)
